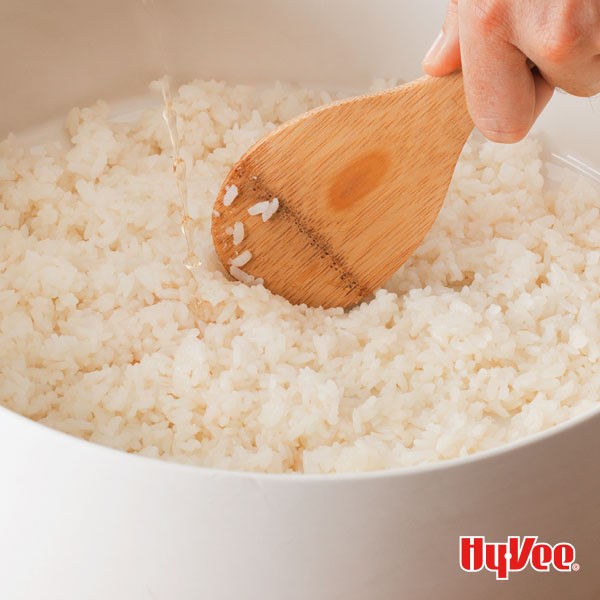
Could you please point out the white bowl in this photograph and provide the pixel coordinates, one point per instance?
(78, 521)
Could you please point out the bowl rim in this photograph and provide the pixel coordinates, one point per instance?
(472, 460)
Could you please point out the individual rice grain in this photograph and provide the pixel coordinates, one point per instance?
(231, 193)
(238, 233)
(242, 259)
(271, 209)
(259, 208)
(240, 275)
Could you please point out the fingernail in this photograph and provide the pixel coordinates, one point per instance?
(435, 49)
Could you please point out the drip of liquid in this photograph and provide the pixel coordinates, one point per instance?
(191, 261)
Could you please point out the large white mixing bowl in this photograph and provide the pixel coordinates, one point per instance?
(81, 522)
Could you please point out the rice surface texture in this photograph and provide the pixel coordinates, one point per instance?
(488, 334)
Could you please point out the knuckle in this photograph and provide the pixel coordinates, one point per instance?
(564, 35)
(560, 46)
(489, 15)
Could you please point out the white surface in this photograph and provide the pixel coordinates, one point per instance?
(79, 521)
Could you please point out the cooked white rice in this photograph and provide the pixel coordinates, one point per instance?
(241, 259)
(238, 233)
(488, 334)
(271, 209)
(237, 273)
(231, 193)
(259, 208)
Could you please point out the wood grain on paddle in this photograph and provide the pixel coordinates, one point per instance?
(359, 182)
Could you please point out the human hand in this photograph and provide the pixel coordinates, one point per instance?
(495, 42)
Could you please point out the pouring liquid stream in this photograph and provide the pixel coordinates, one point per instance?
(191, 261)
(152, 21)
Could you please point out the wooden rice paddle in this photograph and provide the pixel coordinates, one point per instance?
(359, 182)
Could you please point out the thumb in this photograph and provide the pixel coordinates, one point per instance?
(443, 57)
